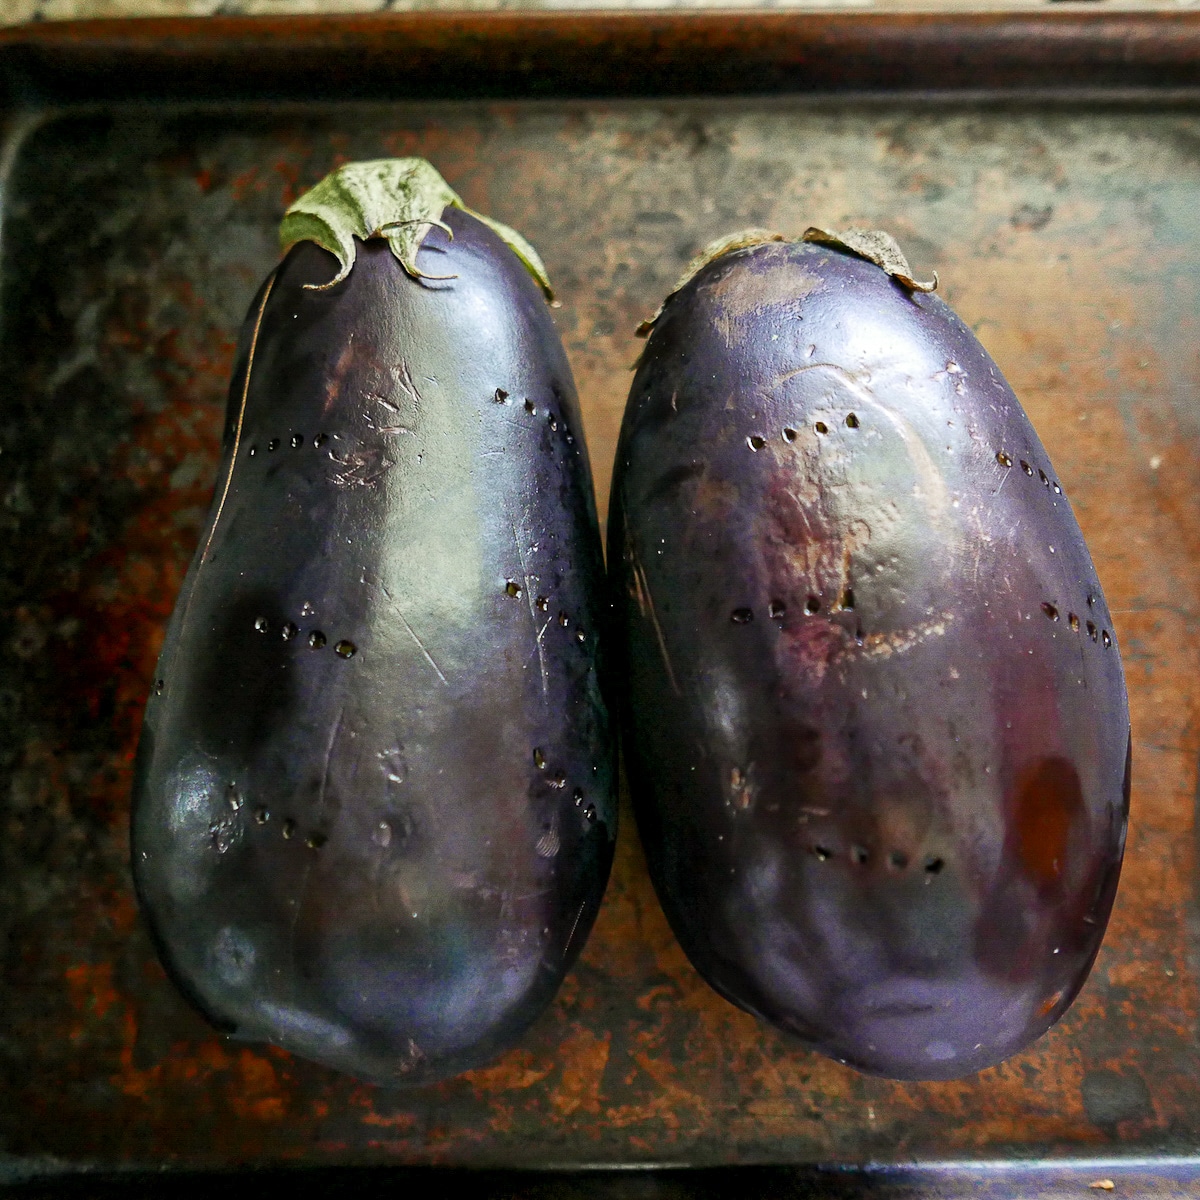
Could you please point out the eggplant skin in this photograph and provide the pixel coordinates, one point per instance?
(374, 813)
(875, 721)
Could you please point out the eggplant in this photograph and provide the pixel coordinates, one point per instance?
(875, 721)
(374, 813)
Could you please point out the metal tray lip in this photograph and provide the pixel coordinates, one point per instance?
(593, 53)
(221, 26)
(934, 1177)
(192, 35)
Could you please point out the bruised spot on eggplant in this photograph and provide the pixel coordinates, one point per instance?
(741, 240)
(1049, 803)
(740, 296)
(673, 480)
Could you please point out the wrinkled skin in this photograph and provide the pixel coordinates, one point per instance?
(385, 862)
(882, 787)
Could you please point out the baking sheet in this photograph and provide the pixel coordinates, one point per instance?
(133, 237)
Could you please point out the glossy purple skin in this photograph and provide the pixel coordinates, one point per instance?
(374, 810)
(879, 763)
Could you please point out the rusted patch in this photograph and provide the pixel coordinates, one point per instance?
(584, 1056)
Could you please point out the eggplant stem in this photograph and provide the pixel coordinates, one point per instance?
(344, 273)
(367, 200)
(418, 221)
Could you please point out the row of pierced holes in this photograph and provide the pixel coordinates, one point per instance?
(314, 841)
(542, 604)
(860, 856)
(1097, 635)
(777, 609)
(558, 780)
(756, 441)
(317, 839)
(262, 815)
(1049, 609)
(1005, 460)
(501, 397)
(316, 639)
(297, 441)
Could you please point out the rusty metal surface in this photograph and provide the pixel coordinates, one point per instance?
(463, 54)
(133, 239)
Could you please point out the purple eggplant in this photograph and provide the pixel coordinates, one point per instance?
(374, 810)
(876, 725)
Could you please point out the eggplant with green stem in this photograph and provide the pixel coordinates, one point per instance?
(875, 720)
(373, 813)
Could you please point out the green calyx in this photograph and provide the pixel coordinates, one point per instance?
(872, 244)
(400, 199)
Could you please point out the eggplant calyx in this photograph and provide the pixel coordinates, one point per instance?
(399, 199)
(714, 250)
(875, 246)
(872, 244)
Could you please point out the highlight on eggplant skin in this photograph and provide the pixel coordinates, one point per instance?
(374, 806)
(875, 720)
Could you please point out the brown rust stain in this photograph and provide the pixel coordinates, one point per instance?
(583, 1055)
(91, 992)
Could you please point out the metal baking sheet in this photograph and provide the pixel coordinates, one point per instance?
(1066, 232)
